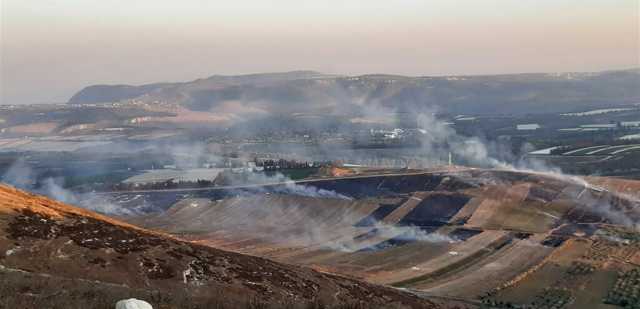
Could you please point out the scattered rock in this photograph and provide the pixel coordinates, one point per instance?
(133, 303)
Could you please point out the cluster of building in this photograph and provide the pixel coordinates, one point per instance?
(388, 138)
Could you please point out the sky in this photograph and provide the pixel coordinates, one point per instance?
(52, 49)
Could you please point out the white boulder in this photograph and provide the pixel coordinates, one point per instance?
(133, 303)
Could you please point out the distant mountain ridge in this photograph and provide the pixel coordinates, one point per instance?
(312, 92)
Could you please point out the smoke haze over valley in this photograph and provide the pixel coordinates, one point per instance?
(320, 154)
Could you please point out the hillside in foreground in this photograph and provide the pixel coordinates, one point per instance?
(59, 256)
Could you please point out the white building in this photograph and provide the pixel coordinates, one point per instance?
(528, 127)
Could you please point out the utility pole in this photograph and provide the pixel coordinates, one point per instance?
(450, 159)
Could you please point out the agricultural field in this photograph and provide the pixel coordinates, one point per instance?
(626, 290)
(529, 242)
(594, 272)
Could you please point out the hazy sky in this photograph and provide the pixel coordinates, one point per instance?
(50, 49)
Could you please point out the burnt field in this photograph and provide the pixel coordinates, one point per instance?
(355, 188)
(461, 234)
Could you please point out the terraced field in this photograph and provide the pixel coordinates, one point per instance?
(477, 235)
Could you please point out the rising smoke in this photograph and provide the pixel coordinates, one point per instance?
(22, 176)
(438, 139)
(282, 211)
(285, 185)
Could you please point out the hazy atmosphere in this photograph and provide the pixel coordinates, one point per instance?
(51, 49)
(327, 154)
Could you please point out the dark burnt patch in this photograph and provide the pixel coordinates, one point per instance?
(380, 213)
(463, 234)
(522, 235)
(389, 185)
(435, 210)
(83, 231)
(32, 225)
(554, 241)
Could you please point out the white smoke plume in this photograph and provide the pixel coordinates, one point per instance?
(297, 221)
(440, 138)
(279, 210)
(22, 176)
(286, 185)
(384, 231)
(19, 175)
(587, 195)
